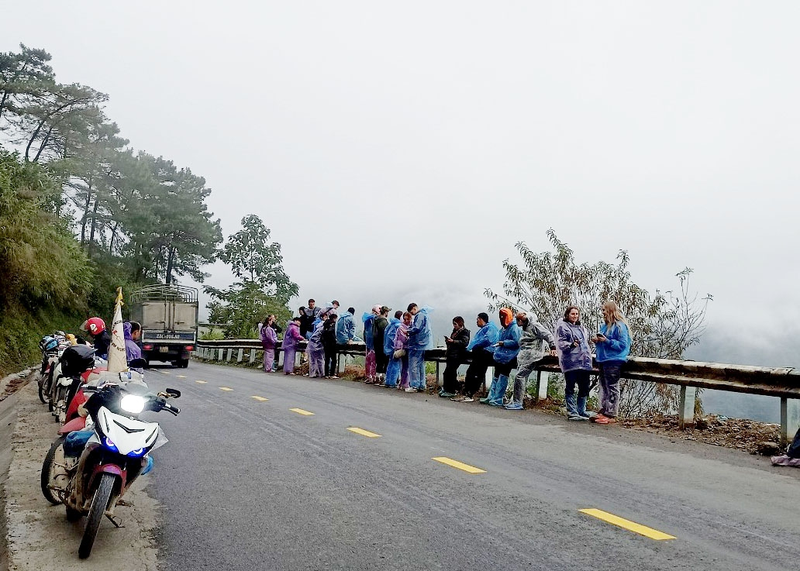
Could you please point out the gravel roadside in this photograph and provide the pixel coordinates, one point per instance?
(37, 534)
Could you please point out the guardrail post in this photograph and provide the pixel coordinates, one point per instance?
(487, 382)
(341, 363)
(219, 354)
(240, 356)
(252, 355)
(541, 386)
(439, 380)
(230, 353)
(790, 419)
(686, 407)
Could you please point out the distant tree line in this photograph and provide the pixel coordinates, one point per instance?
(81, 212)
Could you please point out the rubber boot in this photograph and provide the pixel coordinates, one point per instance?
(497, 396)
(488, 398)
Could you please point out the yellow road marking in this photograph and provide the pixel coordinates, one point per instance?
(202, 382)
(166, 372)
(363, 432)
(627, 524)
(301, 411)
(259, 399)
(181, 376)
(225, 389)
(459, 465)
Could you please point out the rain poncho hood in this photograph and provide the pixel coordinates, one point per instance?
(617, 344)
(573, 358)
(419, 334)
(389, 335)
(485, 338)
(510, 347)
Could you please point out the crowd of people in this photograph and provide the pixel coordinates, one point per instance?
(396, 345)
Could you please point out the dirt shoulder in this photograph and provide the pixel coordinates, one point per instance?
(37, 534)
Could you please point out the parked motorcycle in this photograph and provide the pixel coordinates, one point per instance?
(89, 469)
(74, 362)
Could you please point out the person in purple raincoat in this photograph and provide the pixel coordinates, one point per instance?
(269, 340)
(290, 341)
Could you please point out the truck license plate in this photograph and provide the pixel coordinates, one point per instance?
(164, 349)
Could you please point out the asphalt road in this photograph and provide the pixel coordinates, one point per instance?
(250, 484)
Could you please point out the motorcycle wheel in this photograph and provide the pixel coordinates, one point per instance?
(42, 390)
(47, 471)
(60, 410)
(100, 501)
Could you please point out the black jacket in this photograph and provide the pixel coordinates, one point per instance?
(458, 348)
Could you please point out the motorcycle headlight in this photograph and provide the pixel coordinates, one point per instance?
(137, 453)
(110, 445)
(133, 404)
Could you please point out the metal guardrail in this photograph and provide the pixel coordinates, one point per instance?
(780, 382)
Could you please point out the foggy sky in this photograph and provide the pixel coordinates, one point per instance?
(398, 151)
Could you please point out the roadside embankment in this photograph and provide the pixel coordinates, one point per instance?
(37, 534)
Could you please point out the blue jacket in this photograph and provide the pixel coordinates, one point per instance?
(389, 336)
(419, 334)
(510, 347)
(345, 328)
(484, 338)
(617, 344)
(367, 319)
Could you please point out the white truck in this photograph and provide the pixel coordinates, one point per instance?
(168, 316)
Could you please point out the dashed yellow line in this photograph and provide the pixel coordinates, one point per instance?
(363, 432)
(181, 376)
(301, 411)
(459, 465)
(226, 389)
(259, 399)
(202, 382)
(627, 524)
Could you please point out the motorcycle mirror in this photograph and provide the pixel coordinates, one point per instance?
(173, 393)
(138, 364)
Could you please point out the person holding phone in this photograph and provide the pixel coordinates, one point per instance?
(613, 343)
(505, 357)
(456, 349)
(575, 358)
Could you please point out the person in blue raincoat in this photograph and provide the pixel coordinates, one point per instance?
(370, 363)
(419, 340)
(612, 345)
(505, 357)
(481, 347)
(389, 336)
(346, 328)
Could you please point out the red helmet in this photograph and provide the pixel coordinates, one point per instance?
(94, 325)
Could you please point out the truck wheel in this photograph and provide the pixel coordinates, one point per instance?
(184, 363)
